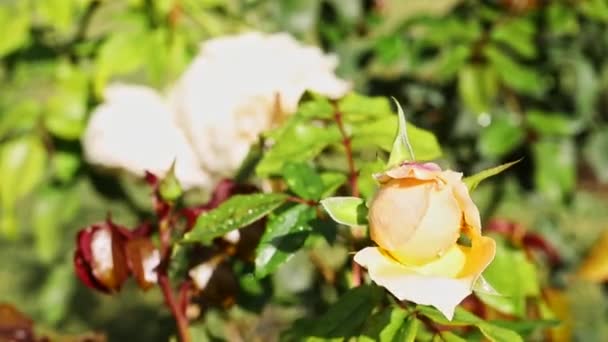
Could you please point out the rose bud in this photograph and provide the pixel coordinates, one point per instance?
(418, 219)
(100, 260)
(143, 260)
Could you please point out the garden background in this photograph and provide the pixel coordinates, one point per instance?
(495, 81)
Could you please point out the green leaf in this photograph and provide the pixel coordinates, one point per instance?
(331, 182)
(402, 149)
(473, 181)
(343, 319)
(366, 182)
(498, 334)
(445, 66)
(595, 153)
(285, 233)
(384, 325)
(317, 108)
(65, 165)
(408, 330)
(298, 142)
(519, 77)
(66, 110)
(552, 123)
(350, 211)
(303, 180)
(518, 34)
(22, 166)
(502, 136)
(465, 318)
(355, 107)
(57, 13)
(52, 209)
(555, 167)
(15, 21)
(237, 212)
(526, 326)
(514, 277)
(448, 336)
(461, 316)
(381, 133)
(477, 87)
(56, 293)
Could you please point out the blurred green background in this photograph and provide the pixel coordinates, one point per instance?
(495, 80)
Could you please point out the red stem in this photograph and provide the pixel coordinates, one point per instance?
(346, 141)
(348, 149)
(177, 307)
(180, 318)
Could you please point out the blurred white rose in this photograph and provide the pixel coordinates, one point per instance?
(236, 88)
(134, 130)
(240, 86)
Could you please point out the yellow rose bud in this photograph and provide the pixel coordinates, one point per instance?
(416, 218)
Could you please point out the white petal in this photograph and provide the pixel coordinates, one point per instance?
(224, 101)
(444, 293)
(201, 274)
(133, 130)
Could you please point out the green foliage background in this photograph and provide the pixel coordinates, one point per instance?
(495, 83)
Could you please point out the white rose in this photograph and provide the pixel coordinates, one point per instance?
(133, 130)
(235, 89)
(240, 86)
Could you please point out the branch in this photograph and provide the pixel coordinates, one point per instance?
(346, 141)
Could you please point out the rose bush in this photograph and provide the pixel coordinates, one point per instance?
(428, 230)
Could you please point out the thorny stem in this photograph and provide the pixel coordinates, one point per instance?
(346, 141)
(177, 307)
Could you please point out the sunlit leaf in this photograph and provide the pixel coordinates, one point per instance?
(237, 212)
(297, 143)
(473, 181)
(303, 180)
(350, 211)
(381, 133)
(22, 166)
(284, 234)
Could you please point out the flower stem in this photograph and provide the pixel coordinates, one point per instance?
(346, 141)
(176, 307)
(178, 314)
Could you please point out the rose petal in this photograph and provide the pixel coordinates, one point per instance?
(442, 292)
(468, 207)
(435, 233)
(396, 211)
(426, 171)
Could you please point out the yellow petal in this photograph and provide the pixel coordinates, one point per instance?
(595, 266)
(468, 207)
(436, 232)
(479, 255)
(396, 211)
(442, 292)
